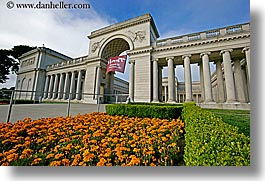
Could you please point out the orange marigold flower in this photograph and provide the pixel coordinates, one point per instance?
(27, 151)
(5, 164)
(50, 156)
(12, 157)
(77, 157)
(27, 143)
(55, 163)
(101, 162)
(74, 163)
(36, 161)
(136, 150)
(134, 160)
(164, 139)
(68, 147)
(66, 162)
(88, 157)
(5, 141)
(57, 156)
(82, 164)
(27, 138)
(173, 144)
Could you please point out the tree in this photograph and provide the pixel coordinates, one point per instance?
(5, 93)
(9, 62)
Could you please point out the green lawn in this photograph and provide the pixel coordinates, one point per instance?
(238, 118)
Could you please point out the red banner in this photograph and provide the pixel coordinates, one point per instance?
(116, 64)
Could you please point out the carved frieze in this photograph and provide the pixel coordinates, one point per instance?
(96, 45)
(28, 62)
(137, 35)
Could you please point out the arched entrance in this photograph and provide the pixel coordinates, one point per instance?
(111, 48)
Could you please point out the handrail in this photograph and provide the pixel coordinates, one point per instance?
(204, 35)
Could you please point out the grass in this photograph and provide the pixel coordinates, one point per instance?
(238, 118)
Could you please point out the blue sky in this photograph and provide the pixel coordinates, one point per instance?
(66, 30)
(180, 16)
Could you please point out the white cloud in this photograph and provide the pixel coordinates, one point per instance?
(65, 31)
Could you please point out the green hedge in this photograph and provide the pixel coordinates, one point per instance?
(145, 110)
(212, 142)
(20, 101)
(4, 101)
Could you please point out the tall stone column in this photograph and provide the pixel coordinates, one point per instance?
(51, 87)
(165, 90)
(207, 77)
(239, 82)
(155, 81)
(246, 50)
(171, 80)
(61, 85)
(66, 86)
(246, 87)
(78, 87)
(111, 82)
(72, 85)
(98, 82)
(131, 83)
(188, 81)
(55, 88)
(160, 83)
(202, 83)
(46, 89)
(229, 79)
(220, 82)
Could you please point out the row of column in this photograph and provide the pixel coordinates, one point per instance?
(60, 86)
(181, 97)
(232, 86)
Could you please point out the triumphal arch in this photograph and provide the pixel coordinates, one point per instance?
(227, 47)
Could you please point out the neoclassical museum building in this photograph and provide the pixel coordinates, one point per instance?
(54, 76)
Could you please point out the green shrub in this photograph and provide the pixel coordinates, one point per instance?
(145, 110)
(20, 101)
(4, 101)
(212, 142)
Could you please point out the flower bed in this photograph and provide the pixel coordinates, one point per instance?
(94, 139)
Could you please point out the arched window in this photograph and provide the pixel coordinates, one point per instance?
(28, 88)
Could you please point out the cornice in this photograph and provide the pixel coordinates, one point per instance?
(125, 24)
(75, 62)
(198, 43)
(141, 50)
(45, 50)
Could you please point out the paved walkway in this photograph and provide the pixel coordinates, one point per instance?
(36, 111)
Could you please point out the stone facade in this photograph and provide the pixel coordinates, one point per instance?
(226, 47)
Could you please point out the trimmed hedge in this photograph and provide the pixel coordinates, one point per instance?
(146, 110)
(212, 142)
(19, 101)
